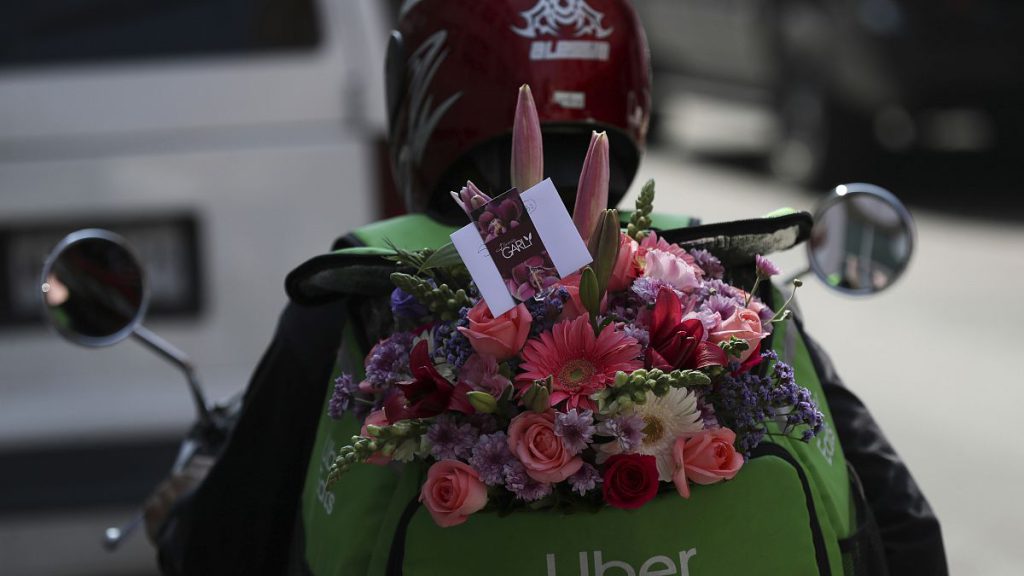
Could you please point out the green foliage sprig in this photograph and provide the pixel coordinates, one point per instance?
(640, 220)
(399, 441)
(632, 388)
(442, 301)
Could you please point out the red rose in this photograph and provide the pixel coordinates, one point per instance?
(630, 480)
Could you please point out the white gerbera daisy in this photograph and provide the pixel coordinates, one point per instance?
(665, 419)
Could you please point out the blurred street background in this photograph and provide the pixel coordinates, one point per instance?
(228, 157)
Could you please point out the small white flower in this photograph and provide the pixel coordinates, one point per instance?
(665, 419)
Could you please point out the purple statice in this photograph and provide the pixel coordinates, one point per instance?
(711, 265)
(575, 428)
(450, 440)
(344, 397)
(745, 402)
(641, 335)
(388, 361)
(585, 479)
(722, 305)
(739, 406)
(628, 431)
(405, 305)
(545, 311)
(647, 288)
(450, 345)
(524, 486)
(490, 456)
(765, 268)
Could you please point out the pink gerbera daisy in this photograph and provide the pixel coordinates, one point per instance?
(579, 362)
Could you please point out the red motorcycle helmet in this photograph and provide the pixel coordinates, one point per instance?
(454, 68)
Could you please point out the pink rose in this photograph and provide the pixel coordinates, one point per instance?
(532, 438)
(452, 492)
(744, 324)
(705, 457)
(501, 337)
(375, 418)
(672, 269)
(625, 270)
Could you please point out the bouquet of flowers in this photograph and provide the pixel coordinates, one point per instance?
(644, 370)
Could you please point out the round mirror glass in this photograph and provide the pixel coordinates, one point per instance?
(93, 289)
(862, 239)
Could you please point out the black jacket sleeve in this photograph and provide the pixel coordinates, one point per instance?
(909, 529)
(240, 519)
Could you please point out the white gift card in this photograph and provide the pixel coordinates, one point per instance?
(557, 235)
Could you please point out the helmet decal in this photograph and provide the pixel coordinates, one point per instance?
(547, 16)
(423, 117)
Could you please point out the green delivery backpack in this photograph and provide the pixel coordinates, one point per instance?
(794, 508)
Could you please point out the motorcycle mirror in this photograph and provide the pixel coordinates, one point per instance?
(862, 239)
(93, 288)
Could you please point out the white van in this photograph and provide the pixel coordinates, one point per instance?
(228, 141)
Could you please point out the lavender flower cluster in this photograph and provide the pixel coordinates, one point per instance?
(545, 311)
(452, 346)
(745, 401)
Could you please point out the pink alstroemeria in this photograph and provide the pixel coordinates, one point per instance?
(527, 148)
(592, 193)
(470, 198)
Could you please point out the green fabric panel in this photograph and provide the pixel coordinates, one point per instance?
(412, 231)
(822, 457)
(755, 524)
(780, 212)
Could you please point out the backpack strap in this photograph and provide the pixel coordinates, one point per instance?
(736, 243)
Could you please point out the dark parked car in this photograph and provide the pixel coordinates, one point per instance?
(847, 78)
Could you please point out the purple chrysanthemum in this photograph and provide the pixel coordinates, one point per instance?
(647, 288)
(524, 486)
(343, 397)
(711, 265)
(723, 305)
(451, 440)
(628, 431)
(490, 456)
(585, 479)
(388, 361)
(641, 335)
(575, 428)
(718, 287)
(765, 267)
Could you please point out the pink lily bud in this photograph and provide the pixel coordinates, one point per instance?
(470, 198)
(527, 148)
(592, 193)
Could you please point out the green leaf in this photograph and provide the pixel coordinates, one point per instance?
(444, 257)
(589, 292)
